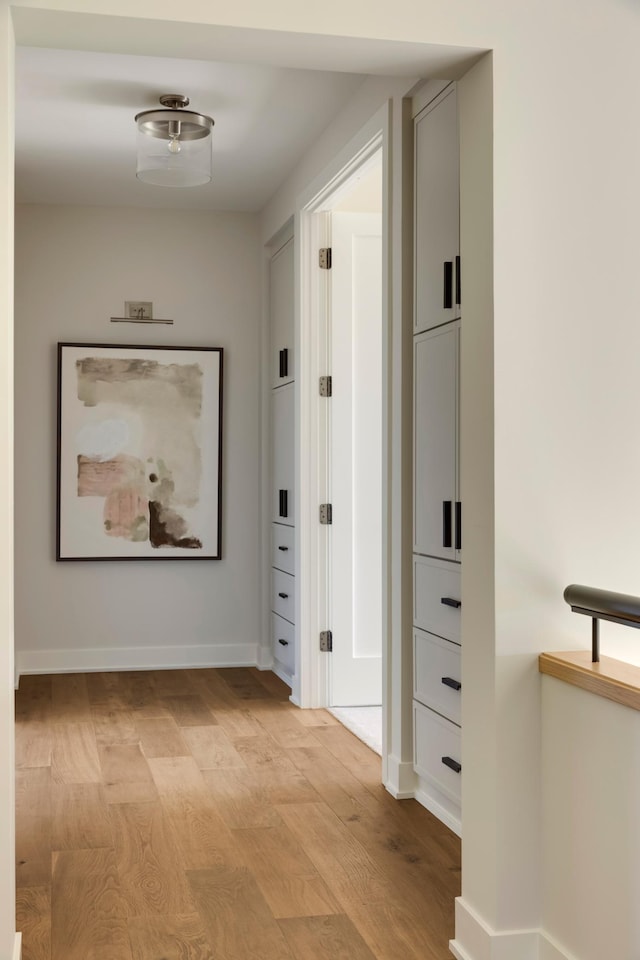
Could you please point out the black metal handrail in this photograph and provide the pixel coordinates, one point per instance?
(602, 605)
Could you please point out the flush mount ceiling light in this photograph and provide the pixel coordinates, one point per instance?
(174, 144)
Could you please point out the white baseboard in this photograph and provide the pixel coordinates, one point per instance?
(400, 778)
(17, 948)
(264, 660)
(135, 658)
(476, 940)
(439, 805)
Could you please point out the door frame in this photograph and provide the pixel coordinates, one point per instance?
(311, 688)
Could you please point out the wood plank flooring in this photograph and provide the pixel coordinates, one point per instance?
(198, 815)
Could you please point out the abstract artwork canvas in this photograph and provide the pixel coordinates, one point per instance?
(139, 452)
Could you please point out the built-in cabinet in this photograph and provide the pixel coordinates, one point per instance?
(438, 281)
(282, 573)
(437, 507)
(281, 315)
(437, 519)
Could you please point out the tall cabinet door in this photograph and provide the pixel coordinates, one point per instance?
(281, 312)
(282, 453)
(437, 214)
(435, 467)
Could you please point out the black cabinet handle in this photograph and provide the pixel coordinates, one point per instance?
(285, 596)
(446, 523)
(458, 525)
(283, 503)
(284, 362)
(458, 283)
(450, 682)
(447, 300)
(450, 602)
(285, 643)
(284, 549)
(452, 764)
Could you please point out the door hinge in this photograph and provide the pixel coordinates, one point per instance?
(326, 386)
(326, 641)
(324, 259)
(326, 513)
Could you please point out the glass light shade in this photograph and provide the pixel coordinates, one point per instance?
(174, 145)
(188, 167)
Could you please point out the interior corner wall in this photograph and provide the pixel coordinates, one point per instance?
(368, 98)
(75, 267)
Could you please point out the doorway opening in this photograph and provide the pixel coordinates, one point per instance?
(350, 322)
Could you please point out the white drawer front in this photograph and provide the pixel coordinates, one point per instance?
(434, 741)
(283, 643)
(283, 599)
(436, 674)
(282, 547)
(436, 591)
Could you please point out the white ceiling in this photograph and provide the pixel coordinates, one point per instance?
(76, 136)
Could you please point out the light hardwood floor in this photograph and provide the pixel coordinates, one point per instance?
(198, 815)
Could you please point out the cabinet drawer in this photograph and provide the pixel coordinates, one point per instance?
(283, 598)
(434, 662)
(434, 741)
(282, 548)
(436, 591)
(283, 643)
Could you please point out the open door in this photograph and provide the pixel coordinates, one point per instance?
(355, 459)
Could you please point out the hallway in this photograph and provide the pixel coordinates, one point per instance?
(199, 815)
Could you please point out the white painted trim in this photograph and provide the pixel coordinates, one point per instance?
(476, 940)
(281, 672)
(17, 948)
(311, 685)
(264, 659)
(136, 658)
(423, 97)
(551, 950)
(439, 805)
(399, 778)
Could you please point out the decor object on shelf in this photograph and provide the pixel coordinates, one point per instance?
(174, 144)
(139, 452)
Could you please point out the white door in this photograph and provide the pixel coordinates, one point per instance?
(355, 460)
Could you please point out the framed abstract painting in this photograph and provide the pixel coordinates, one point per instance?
(139, 452)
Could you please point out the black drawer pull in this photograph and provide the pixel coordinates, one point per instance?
(446, 523)
(450, 682)
(452, 764)
(283, 503)
(450, 602)
(284, 549)
(458, 525)
(285, 596)
(447, 300)
(285, 643)
(458, 283)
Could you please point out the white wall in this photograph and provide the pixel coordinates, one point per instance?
(7, 790)
(75, 267)
(591, 792)
(566, 205)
